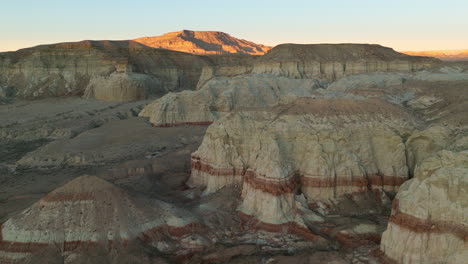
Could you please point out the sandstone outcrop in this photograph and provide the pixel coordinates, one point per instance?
(327, 149)
(323, 63)
(222, 95)
(108, 70)
(88, 213)
(429, 214)
(203, 43)
(225, 66)
(332, 61)
(328, 62)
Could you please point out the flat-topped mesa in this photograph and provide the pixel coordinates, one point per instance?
(204, 43)
(107, 70)
(88, 213)
(326, 149)
(429, 220)
(333, 61)
(328, 62)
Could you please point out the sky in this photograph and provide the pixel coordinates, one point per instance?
(401, 24)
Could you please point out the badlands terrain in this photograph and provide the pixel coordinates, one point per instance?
(197, 147)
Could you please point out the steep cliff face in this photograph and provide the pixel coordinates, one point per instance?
(225, 66)
(89, 213)
(108, 70)
(333, 61)
(329, 150)
(203, 43)
(328, 62)
(429, 216)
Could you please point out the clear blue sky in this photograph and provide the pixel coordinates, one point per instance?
(401, 24)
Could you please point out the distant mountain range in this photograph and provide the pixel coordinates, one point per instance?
(447, 55)
(203, 43)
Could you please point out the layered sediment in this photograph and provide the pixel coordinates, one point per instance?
(89, 212)
(333, 61)
(326, 149)
(222, 95)
(107, 70)
(285, 72)
(429, 215)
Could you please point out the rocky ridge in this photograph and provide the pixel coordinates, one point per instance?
(448, 55)
(204, 43)
(106, 70)
(286, 72)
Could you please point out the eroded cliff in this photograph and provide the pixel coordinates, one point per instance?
(429, 215)
(108, 70)
(327, 149)
(283, 73)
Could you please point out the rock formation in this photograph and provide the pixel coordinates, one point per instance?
(333, 61)
(429, 215)
(327, 149)
(308, 145)
(88, 213)
(328, 62)
(222, 95)
(203, 43)
(265, 81)
(447, 55)
(108, 70)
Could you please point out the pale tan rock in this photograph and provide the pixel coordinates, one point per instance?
(333, 61)
(429, 217)
(324, 148)
(250, 84)
(425, 143)
(222, 95)
(122, 87)
(102, 66)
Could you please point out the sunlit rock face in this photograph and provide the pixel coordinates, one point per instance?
(88, 214)
(327, 149)
(107, 70)
(429, 221)
(203, 43)
(448, 55)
